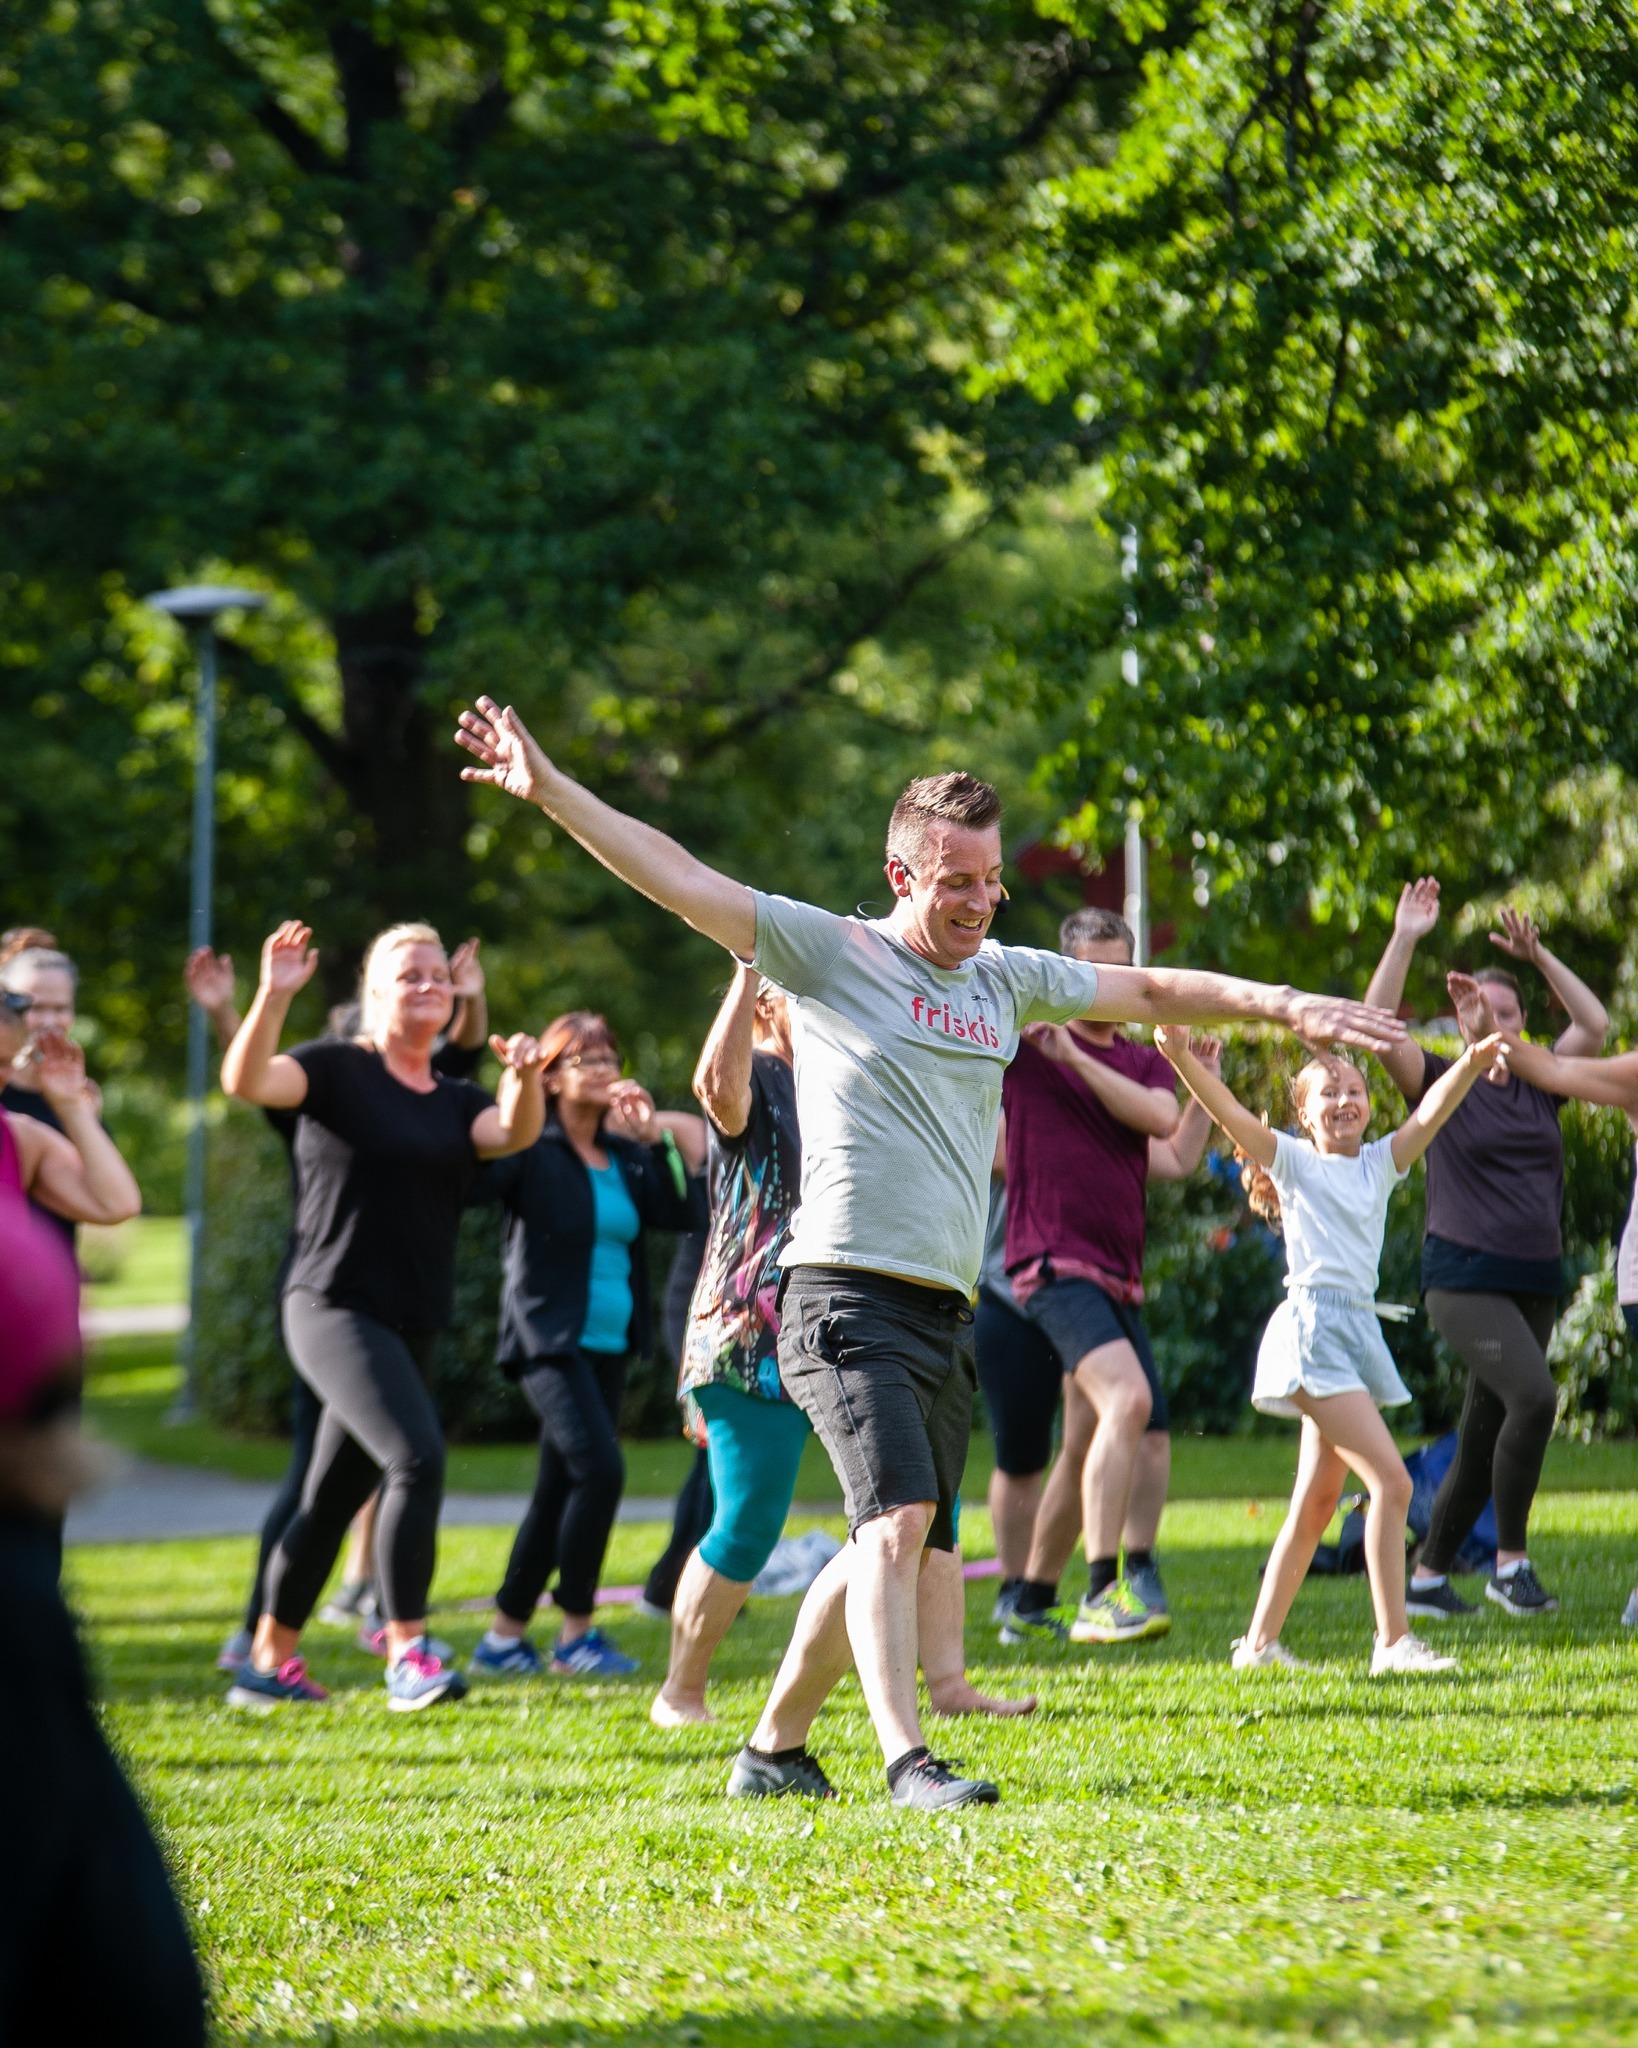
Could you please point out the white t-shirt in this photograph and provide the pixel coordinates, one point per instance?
(1333, 1211)
(898, 1085)
(1626, 1259)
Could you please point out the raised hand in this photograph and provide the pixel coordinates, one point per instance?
(512, 758)
(209, 978)
(1209, 1052)
(59, 1068)
(466, 970)
(287, 960)
(1176, 1041)
(1474, 1016)
(1518, 936)
(1336, 1020)
(1418, 910)
(523, 1054)
(631, 1109)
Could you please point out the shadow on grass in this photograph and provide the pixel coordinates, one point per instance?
(1348, 2014)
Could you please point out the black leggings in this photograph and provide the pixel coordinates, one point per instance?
(581, 1477)
(378, 1426)
(1507, 1415)
(694, 1513)
(305, 1410)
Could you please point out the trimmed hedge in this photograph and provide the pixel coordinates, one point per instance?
(1214, 1275)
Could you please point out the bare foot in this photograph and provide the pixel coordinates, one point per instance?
(956, 1696)
(666, 1713)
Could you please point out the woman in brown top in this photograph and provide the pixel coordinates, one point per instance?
(1492, 1253)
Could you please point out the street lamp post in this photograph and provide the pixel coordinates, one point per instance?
(1137, 854)
(199, 605)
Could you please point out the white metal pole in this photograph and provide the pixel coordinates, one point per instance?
(1136, 908)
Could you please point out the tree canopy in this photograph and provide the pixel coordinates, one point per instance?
(757, 395)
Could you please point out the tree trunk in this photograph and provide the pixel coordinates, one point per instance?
(400, 769)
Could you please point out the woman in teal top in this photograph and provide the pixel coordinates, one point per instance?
(574, 1306)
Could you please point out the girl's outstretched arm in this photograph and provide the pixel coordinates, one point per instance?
(1215, 1097)
(1417, 1132)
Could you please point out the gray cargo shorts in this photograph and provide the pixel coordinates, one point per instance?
(884, 1371)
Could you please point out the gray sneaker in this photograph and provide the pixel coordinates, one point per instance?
(766, 1777)
(1629, 1619)
(1145, 1582)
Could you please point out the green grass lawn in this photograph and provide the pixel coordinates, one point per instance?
(133, 1383)
(1182, 1855)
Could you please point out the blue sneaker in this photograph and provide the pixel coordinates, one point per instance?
(515, 1659)
(591, 1656)
(288, 1686)
(419, 1679)
(234, 1654)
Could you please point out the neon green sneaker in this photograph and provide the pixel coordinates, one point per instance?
(1045, 1625)
(1116, 1616)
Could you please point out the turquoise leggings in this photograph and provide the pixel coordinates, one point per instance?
(754, 1448)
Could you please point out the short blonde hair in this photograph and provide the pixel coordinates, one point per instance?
(380, 949)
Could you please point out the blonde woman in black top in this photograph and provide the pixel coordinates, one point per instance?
(386, 1151)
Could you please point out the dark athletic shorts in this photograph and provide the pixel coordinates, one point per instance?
(884, 1371)
(1022, 1383)
(1078, 1317)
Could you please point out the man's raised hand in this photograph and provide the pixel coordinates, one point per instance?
(1338, 1020)
(512, 758)
(287, 959)
(1418, 910)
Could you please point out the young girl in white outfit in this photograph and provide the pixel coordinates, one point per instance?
(1322, 1356)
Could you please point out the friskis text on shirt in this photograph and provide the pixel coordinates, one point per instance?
(955, 1023)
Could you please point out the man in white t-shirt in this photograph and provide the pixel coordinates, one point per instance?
(903, 1028)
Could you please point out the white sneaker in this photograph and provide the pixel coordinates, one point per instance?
(1630, 1618)
(1409, 1655)
(1272, 1656)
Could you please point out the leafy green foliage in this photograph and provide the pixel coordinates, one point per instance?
(1594, 1357)
(1356, 294)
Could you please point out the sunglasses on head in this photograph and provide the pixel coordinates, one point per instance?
(14, 1000)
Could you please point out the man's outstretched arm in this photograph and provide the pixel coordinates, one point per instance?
(1181, 995)
(647, 860)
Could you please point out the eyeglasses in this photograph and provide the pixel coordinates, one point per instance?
(593, 1059)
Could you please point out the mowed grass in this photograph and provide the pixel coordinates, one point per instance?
(1182, 1854)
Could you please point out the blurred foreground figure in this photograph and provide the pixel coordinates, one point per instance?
(93, 1946)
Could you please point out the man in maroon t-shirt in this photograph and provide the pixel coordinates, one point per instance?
(1086, 1108)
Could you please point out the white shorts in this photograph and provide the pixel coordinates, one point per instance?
(1320, 1342)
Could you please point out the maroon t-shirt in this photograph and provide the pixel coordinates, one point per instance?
(1075, 1173)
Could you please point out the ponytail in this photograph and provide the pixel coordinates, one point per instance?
(1261, 1193)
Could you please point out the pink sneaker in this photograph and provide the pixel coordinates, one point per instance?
(421, 1679)
(288, 1686)
(375, 1641)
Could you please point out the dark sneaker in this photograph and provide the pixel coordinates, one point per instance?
(766, 1777)
(1438, 1602)
(1040, 1625)
(287, 1687)
(1521, 1592)
(1114, 1617)
(931, 1783)
(1005, 1601)
(1144, 1582)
